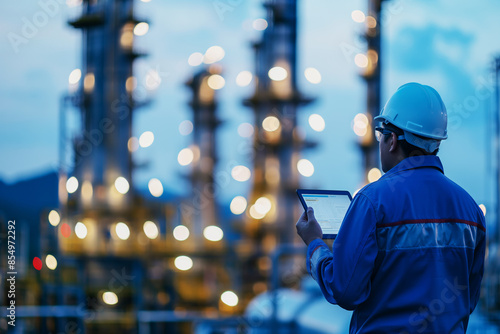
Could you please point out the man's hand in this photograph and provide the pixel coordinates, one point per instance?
(308, 228)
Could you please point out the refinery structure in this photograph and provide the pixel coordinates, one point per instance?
(116, 260)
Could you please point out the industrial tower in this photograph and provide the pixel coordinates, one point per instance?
(127, 238)
(205, 124)
(213, 271)
(371, 75)
(101, 243)
(491, 283)
(102, 157)
(272, 205)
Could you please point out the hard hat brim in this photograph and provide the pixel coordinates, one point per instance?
(384, 119)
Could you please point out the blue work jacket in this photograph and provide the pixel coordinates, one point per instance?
(409, 256)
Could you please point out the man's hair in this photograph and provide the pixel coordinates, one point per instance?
(409, 150)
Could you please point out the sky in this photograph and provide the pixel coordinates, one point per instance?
(446, 44)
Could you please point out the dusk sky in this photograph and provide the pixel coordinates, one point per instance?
(446, 44)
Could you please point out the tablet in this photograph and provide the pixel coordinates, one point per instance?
(330, 207)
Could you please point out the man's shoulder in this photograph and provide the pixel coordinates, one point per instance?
(375, 188)
(421, 189)
(392, 186)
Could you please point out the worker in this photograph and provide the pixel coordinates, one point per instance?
(409, 255)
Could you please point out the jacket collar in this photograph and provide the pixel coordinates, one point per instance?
(421, 161)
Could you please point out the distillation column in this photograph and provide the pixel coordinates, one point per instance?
(100, 212)
(205, 123)
(371, 75)
(272, 205)
(103, 165)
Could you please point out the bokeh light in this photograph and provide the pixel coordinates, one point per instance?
(80, 230)
(229, 298)
(51, 262)
(181, 233)
(213, 233)
(73, 3)
(186, 127)
(37, 263)
(317, 122)
(87, 191)
(255, 214)
(263, 205)
(110, 298)
(312, 75)
(122, 231)
(195, 59)
(305, 167)
(75, 76)
(213, 54)
(155, 187)
(241, 173)
(483, 208)
(72, 184)
(150, 230)
(146, 139)
(238, 205)
(65, 230)
(360, 124)
(185, 156)
(216, 81)
(271, 123)
(358, 16)
(131, 84)
(259, 24)
(89, 82)
(133, 144)
(371, 22)
(54, 218)
(278, 73)
(374, 174)
(361, 60)
(183, 262)
(245, 130)
(244, 78)
(141, 29)
(122, 185)
(127, 36)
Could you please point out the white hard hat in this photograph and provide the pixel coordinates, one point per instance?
(419, 111)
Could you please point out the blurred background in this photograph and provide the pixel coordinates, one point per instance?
(150, 151)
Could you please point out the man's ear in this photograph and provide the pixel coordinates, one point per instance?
(394, 142)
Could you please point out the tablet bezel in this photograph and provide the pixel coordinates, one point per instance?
(301, 192)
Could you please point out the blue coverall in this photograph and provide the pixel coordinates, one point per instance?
(409, 256)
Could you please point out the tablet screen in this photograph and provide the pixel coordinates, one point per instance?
(329, 210)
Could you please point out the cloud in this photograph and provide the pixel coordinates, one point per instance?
(434, 55)
(430, 47)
